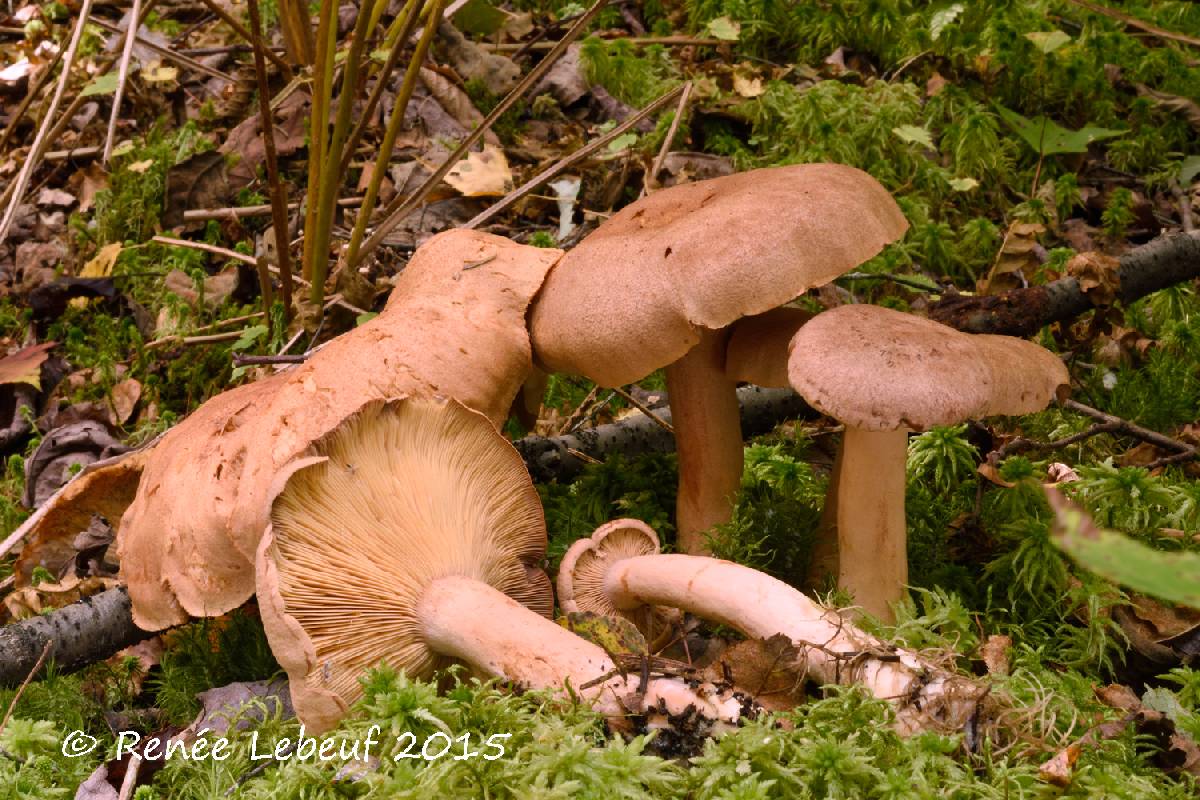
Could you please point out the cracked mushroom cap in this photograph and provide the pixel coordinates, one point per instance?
(399, 494)
(454, 326)
(877, 369)
(581, 577)
(633, 296)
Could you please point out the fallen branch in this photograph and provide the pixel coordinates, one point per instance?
(1106, 423)
(81, 634)
(1164, 262)
(555, 457)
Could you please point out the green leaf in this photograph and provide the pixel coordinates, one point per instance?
(1174, 577)
(1048, 138)
(1189, 169)
(104, 84)
(725, 29)
(1048, 41)
(479, 17)
(943, 18)
(365, 317)
(249, 337)
(915, 134)
(622, 142)
(963, 184)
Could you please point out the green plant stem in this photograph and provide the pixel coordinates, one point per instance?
(396, 41)
(332, 158)
(399, 208)
(393, 128)
(319, 128)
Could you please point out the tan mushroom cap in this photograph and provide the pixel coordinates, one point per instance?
(586, 563)
(633, 295)
(400, 494)
(877, 369)
(453, 327)
(757, 351)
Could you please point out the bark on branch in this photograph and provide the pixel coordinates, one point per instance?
(1164, 262)
(556, 457)
(82, 633)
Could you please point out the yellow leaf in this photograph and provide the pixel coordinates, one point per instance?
(102, 265)
(141, 166)
(484, 174)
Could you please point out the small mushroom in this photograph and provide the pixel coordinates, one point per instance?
(884, 373)
(660, 282)
(618, 570)
(412, 534)
(583, 568)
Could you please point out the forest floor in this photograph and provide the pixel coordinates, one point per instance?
(1024, 142)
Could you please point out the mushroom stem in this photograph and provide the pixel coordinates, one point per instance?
(833, 651)
(469, 620)
(871, 532)
(708, 438)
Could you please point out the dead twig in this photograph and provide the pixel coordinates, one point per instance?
(636, 41)
(645, 409)
(169, 54)
(122, 77)
(21, 689)
(254, 39)
(568, 162)
(398, 209)
(279, 214)
(650, 182)
(1105, 423)
(1134, 22)
(39, 143)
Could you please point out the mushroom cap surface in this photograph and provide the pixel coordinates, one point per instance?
(398, 495)
(877, 369)
(632, 296)
(453, 327)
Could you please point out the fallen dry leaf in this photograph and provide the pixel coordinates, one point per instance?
(482, 174)
(994, 653)
(1057, 770)
(25, 365)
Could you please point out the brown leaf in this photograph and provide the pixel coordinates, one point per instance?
(1097, 276)
(992, 474)
(199, 182)
(246, 142)
(454, 101)
(1017, 260)
(124, 399)
(25, 365)
(994, 653)
(1057, 770)
(1188, 108)
(1118, 696)
(767, 668)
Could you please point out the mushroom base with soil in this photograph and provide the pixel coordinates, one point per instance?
(833, 651)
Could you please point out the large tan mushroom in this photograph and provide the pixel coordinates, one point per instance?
(658, 284)
(412, 534)
(618, 571)
(454, 326)
(885, 373)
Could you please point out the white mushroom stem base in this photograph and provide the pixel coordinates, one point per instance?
(872, 535)
(469, 620)
(708, 439)
(833, 651)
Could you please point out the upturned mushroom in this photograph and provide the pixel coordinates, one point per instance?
(411, 534)
(453, 327)
(885, 373)
(618, 571)
(659, 283)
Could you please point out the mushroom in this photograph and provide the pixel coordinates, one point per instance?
(884, 373)
(454, 326)
(411, 534)
(618, 570)
(659, 283)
